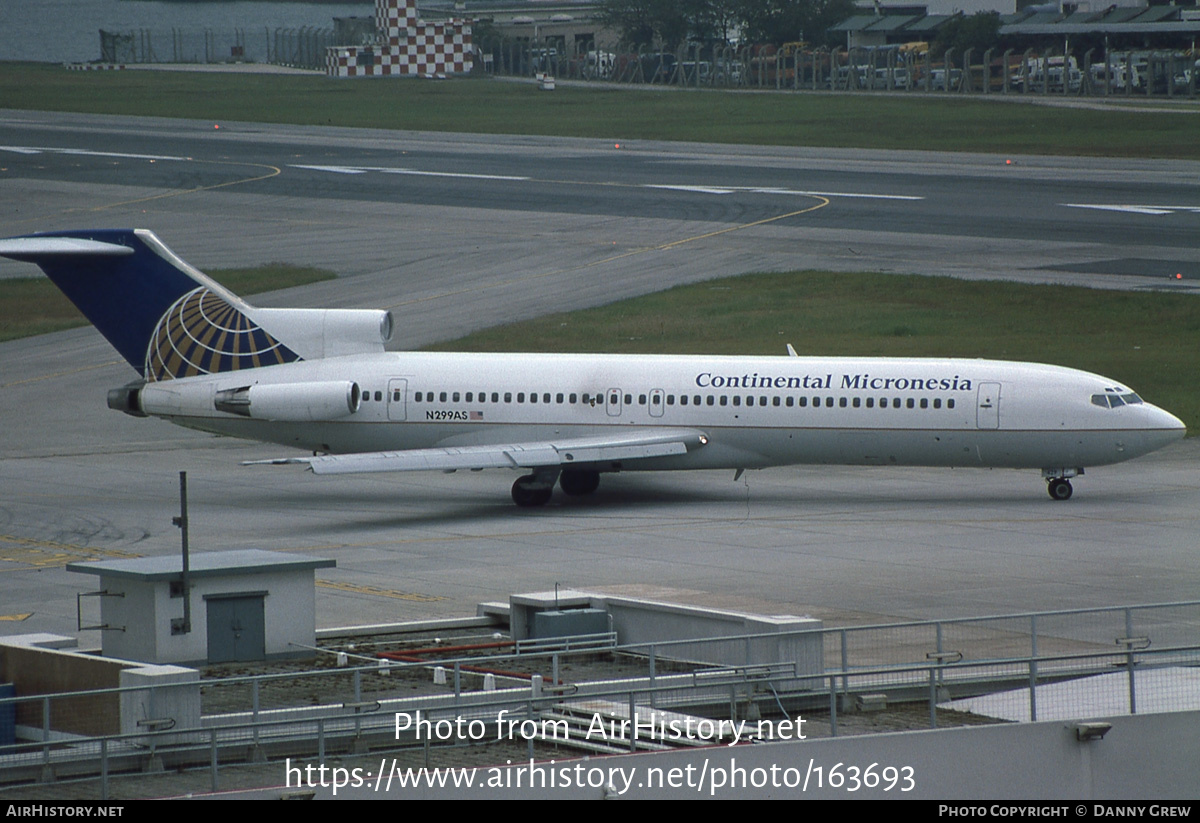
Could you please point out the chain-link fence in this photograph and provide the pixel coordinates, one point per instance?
(303, 47)
(796, 68)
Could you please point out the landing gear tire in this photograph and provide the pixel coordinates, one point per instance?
(524, 493)
(1059, 488)
(579, 483)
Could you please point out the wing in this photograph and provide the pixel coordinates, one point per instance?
(620, 445)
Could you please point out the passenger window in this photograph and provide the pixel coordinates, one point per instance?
(417, 397)
(857, 402)
(842, 402)
(671, 400)
(776, 401)
(895, 402)
(790, 401)
(950, 403)
(724, 400)
(737, 400)
(641, 399)
(710, 400)
(924, 402)
(455, 397)
(558, 398)
(573, 398)
(442, 397)
(937, 402)
(912, 404)
(870, 402)
(629, 400)
(803, 402)
(508, 397)
(533, 397)
(496, 397)
(829, 402)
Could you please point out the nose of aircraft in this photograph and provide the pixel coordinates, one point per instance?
(1167, 426)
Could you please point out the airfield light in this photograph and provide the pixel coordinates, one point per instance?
(1178, 275)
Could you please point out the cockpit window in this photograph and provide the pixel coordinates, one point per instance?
(1112, 401)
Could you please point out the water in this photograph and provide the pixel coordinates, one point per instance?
(58, 31)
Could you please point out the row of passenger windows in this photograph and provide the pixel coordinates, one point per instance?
(789, 401)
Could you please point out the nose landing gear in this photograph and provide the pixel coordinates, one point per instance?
(1058, 482)
(1059, 488)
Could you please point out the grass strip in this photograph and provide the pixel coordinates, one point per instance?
(485, 105)
(33, 305)
(1145, 340)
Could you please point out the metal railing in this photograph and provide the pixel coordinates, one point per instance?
(533, 714)
(1126, 651)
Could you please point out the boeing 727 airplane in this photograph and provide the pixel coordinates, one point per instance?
(322, 380)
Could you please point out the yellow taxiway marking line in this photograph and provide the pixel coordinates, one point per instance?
(660, 247)
(15, 618)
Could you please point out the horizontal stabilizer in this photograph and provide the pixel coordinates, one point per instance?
(32, 249)
(642, 444)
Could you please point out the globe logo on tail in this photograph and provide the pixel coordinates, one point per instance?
(201, 333)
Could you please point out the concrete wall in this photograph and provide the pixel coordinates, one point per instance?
(170, 700)
(44, 664)
(38, 664)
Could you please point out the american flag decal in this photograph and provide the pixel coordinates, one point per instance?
(476, 415)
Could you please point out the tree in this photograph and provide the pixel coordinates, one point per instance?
(782, 21)
(672, 22)
(980, 31)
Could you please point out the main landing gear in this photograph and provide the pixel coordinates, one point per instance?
(579, 483)
(530, 490)
(535, 489)
(1058, 482)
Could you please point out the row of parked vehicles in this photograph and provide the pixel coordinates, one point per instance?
(793, 66)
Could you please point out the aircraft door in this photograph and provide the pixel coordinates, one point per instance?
(612, 402)
(988, 409)
(656, 403)
(398, 398)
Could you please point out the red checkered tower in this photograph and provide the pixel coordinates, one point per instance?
(407, 46)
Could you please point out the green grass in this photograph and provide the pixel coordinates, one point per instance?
(482, 105)
(1147, 341)
(33, 305)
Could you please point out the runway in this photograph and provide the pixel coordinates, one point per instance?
(459, 232)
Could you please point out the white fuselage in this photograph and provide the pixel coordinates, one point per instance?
(754, 411)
